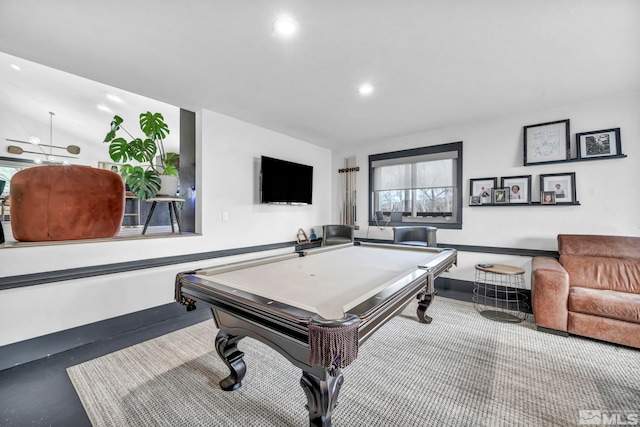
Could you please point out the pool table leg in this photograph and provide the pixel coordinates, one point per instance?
(322, 395)
(227, 348)
(423, 304)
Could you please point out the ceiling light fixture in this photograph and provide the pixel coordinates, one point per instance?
(34, 140)
(285, 26)
(365, 89)
(114, 98)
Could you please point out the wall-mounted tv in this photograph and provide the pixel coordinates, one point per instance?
(283, 182)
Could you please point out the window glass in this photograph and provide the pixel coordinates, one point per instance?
(419, 186)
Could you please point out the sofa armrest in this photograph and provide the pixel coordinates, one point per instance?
(550, 293)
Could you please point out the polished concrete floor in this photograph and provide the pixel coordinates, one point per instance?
(40, 393)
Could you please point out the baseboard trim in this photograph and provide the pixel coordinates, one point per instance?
(58, 342)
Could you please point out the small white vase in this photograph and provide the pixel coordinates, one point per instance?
(169, 186)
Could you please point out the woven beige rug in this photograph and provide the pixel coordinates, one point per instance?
(461, 370)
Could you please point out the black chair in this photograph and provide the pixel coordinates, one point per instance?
(336, 234)
(396, 216)
(415, 235)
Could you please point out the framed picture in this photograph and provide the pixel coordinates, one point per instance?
(500, 196)
(599, 143)
(548, 197)
(475, 201)
(114, 167)
(482, 187)
(562, 184)
(546, 142)
(519, 188)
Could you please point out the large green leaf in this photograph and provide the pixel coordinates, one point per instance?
(144, 184)
(170, 170)
(142, 151)
(115, 126)
(125, 171)
(119, 150)
(153, 125)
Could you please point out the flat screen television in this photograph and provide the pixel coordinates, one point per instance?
(283, 182)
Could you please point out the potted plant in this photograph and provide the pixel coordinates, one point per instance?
(145, 182)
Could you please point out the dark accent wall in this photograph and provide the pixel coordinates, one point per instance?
(188, 169)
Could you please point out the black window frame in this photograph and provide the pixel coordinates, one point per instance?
(442, 148)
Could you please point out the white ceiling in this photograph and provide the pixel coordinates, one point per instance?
(433, 63)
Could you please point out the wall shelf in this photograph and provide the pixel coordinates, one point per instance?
(524, 204)
(618, 156)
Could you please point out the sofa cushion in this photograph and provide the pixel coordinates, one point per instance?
(605, 303)
(617, 274)
(599, 246)
(601, 262)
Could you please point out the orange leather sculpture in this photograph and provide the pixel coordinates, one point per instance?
(66, 203)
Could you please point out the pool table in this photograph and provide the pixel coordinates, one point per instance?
(314, 307)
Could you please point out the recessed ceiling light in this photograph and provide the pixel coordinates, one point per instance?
(365, 89)
(15, 67)
(285, 26)
(114, 98)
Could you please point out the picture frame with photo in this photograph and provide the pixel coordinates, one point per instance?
(482, 187)
(563, 184)
(547, 142)
(519, 188)
(547, 197)
(113, 167)
(599, 143)
(500, 196)
(475, 201)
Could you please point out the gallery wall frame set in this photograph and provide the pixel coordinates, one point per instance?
(516, 190)
(512, 189)
(550, 142)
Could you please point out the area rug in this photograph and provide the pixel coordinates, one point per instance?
(460, 370)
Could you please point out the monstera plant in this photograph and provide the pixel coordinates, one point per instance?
(143, 181)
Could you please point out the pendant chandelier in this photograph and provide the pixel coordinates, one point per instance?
(47, 157)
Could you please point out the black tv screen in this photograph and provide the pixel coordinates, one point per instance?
(285, 182)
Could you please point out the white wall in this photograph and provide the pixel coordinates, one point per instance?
(606, 189)
(227, 153)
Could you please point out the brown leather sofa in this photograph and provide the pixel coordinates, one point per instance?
(593, 290)
(66, 203)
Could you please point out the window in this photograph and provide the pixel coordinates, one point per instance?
(421, 186)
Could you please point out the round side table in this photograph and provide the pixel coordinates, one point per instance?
(497, 292)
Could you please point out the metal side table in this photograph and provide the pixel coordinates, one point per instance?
(497, 292)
